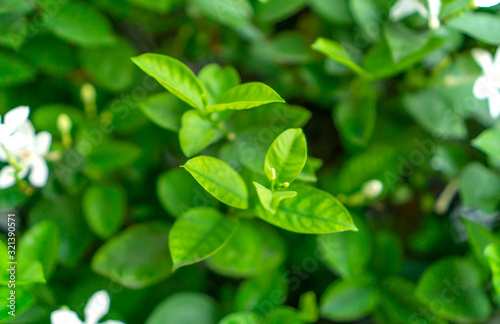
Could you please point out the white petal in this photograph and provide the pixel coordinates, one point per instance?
(62, 316)
(483, 88)
(43, 140)
(486, 3)
(483, 58)
(404, 8)
(434, 11)
(16, 117)
(494, 103)
(28, 130)
(7, 178)
(39, 172)
(15, 142)
(97, 307)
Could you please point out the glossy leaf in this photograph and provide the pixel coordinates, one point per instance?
(198, 234)
(184, 307)
(312, 211)
(336, 52)
(241, 318)
(196, 133)
(174, 76)
(245, 96)
(219, 179)
(216, 80)
(271, 200)
(287, 156)
(488, 142)
(165, 110)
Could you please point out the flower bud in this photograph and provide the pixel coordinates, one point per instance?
(64, 124)
(372, 189)
(273, 174)
(88, 94)
(286, 184)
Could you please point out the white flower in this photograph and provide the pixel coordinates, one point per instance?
(9, 137)
(488, 84)
(485, 3)
(404, 8)
(97, 307)
(372, 189)
(31, 157)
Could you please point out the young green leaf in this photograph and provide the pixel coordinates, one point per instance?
(199, 233)
(271, 200)
(313, 211)
(287, 156)
(219, 179)
(488, 142)
(336, 52)
(174, 76)
(196, 133)
(464, 301)
(241, 318)
(482, 26)
(217, 80)
(308, 306)
(492, 254)
(246, 96)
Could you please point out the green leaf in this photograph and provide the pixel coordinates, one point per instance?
(276, 10)
(178, 192)
(364, 13)
(336, 52)
(217, 80)
(219, 179)
(479, 187)
(136, 258)
(14, 29)
(334, 11)
(14, 71)
(196, 133)
(184, 307)
(348, 300)
(174, 76)
(246, 96)
(111, 155)
(287, 156)
(80, 24)
(156, 5)
(488, 142)
(41, 244)
(432, 111)
(347, 253)
(198, 234)
(165, 110)
(235, 13)
(455, 285)
(308, 306)
(479, 25)
(261, 293)
(104, 209)
(109, 66)
(492, 255)
(271, 200)
(388, 248)
(479, 238)
(255, 248)
(313, 211)
(241, 318)
(284, 314)
(403, 41)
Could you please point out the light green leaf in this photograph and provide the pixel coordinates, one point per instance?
(217, 80)
(234, 13)
(489, 142)
(109, 66)
(479, 187)
(479, 25)
(276, 10)
(308, 306)
(348, 300)
(313, 211)
(347, 253)
(80, 24)
(464, 301)
(14, 29)
(41, 244)
(196, 133)
(136, 258)
(185, 307)
(271, 200)
(165, 110)
(198, 234)
(174, 76)
(219, 179)
(162, 6)
(492, 255)
(104, 209)
(246, 96)
(403, 41)
(287, 156)
(336, 52)
(241, 318)
(479, 238)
